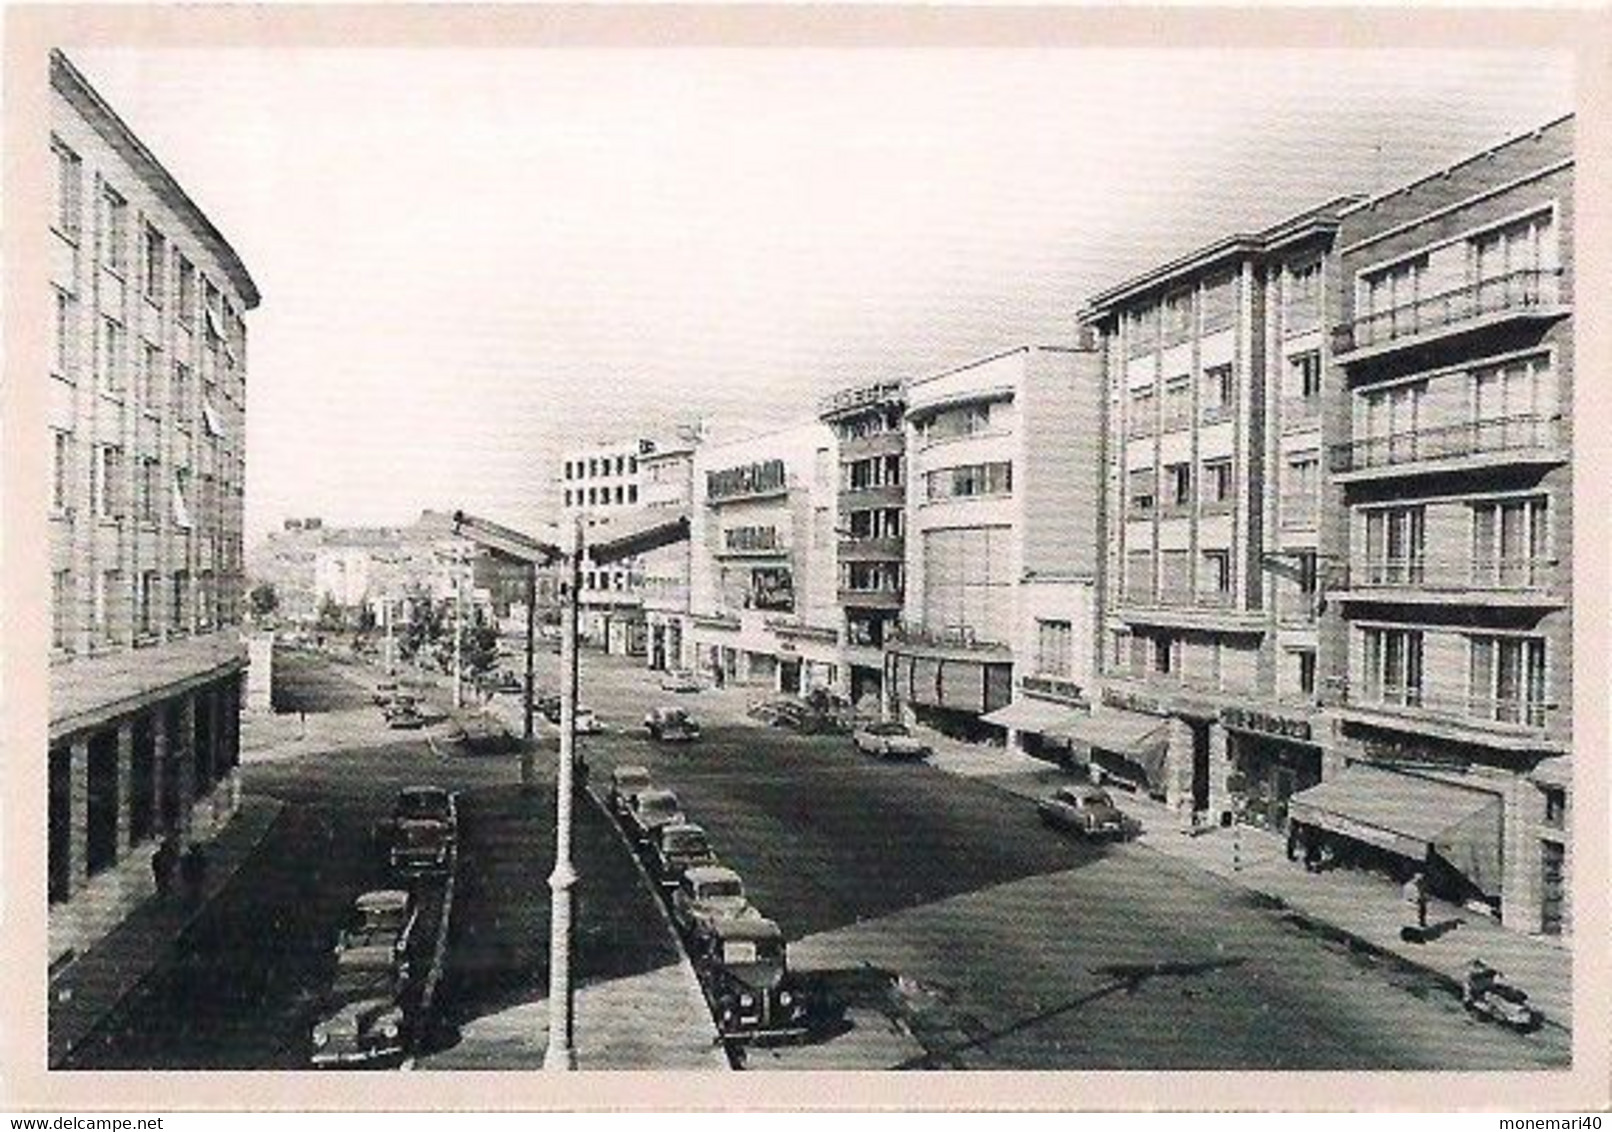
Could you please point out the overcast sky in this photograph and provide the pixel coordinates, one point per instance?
(471, 259)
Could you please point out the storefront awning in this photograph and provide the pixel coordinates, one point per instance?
(1139, 739)
(1035, 716)
(1412, 817)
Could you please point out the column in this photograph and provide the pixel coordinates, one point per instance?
(1221, 767)
(185, 766)
(1178, 768)
(79, 822)
(125, 784)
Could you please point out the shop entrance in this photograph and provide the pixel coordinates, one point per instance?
(1271, 771)
(789, 676)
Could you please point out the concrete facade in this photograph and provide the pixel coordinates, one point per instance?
(146, 410)
(668, 485)
(1449, 631)
(762, 588)
(600, 480)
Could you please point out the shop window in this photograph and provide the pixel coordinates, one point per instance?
(69, 186)
(1555, 806)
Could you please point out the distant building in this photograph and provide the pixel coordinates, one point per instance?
(600, 480)
(870, 525)
(668, 484)
(997, 634)
(762, 602)
(146, 408)
(1449, 628)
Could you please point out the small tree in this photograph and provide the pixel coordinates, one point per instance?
(478, 645)
(264, 600)
(331, 614)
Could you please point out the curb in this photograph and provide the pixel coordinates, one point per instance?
(684, 963)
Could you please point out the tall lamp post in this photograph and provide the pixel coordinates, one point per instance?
(662, 531)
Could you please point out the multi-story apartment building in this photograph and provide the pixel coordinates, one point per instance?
(668, 485)
(998, 627)
(600, 480)
(763, 599)
(870, 526)
(147, 411)
(1216, 425)
(1449, 632)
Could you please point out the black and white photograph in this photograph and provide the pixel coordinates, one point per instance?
(763, 557)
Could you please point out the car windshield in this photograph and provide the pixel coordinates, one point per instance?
(685, 841)
(1098, 798)
(422, 805)
(888, 729)
(631, 780)
(368, 937)
(720, 889)
(663, 806)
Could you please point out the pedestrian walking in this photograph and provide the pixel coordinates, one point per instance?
(1415, 893)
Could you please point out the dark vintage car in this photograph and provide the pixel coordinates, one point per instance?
(671, 725)
(361, 1021)
(706, 895)
(626, 783)
(889, 740)
(1085, 810)
(676, 848)
(406, 718)
(680, 681)
(384, 692)
(377, 933)
(424, 827)
(507, 681)
(746, 975)
(651, 809)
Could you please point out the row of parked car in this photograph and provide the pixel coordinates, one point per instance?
(739, 954)
(364, 1016)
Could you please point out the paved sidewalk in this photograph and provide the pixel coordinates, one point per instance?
(1363, 908)
(91, 986)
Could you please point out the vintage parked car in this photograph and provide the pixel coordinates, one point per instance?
(1086, 810)
(672, 725)
(377, 933)
(362, 1021)
(676, 848)
(407, 718)
(507, 681)
(747, 980)
(889, 740)
(587, 723)
(706, 894)
(649, 810)
(680, 681)
(384, 691)
(626, 782)
(548, 706)
(425, 824)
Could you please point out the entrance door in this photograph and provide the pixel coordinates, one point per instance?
(1200, 767)
(789, 676)
(1552, 858)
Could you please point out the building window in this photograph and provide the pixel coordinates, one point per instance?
(949, 424)
(181, 394)
(1120, 658)
(107, 584)
(1177, 401)
(1300, 490)
(61, 470)
(1054, 647)
(970, 481)
(1139, 577)
(180, 608)
(1140, 491)
(105, 475)
(1555, 806)
(1395, 539)
(1509, 255)
(632, 493)
(111, 357)
(61, 610)
(1219, 302)
(593, 496)
(146, 599)
(148, 490)
(1306, 671)
(1164, 654)
(632, 465)
(1217, 391)
(1178, 478)
(1303, 296)
(62, 359)
(181, 500)
(1175, 577)
(1513, 405)
(1304, 380)
(1511, 543)
(156, 265)
(187, 291)
(69, 189)
(1217, 484)
(1508, 680)
(1392, 666)
(114, 229)
(1142, 420)
(1177, 317)
(568, 497)
(1217, 575)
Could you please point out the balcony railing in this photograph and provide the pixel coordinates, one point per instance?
(1516, 711)
(1454, 575)
(1516, 291)
(1529, 432)
(947, 636)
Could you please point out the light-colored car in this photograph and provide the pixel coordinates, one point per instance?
(706, 894)
(587, 722)
(676, 848)
(1086, 810)
(651, 809)
(671, 725)
(626, 783)
(889, 740)
(680, 681)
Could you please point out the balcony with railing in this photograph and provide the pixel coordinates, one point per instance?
(1521, 721)
(1504, 581)
(1528, 294)
(873, 549)
(1526, 439)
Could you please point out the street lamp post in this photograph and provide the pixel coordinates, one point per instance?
(561, 1053)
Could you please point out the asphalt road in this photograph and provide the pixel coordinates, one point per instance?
(983, 939)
